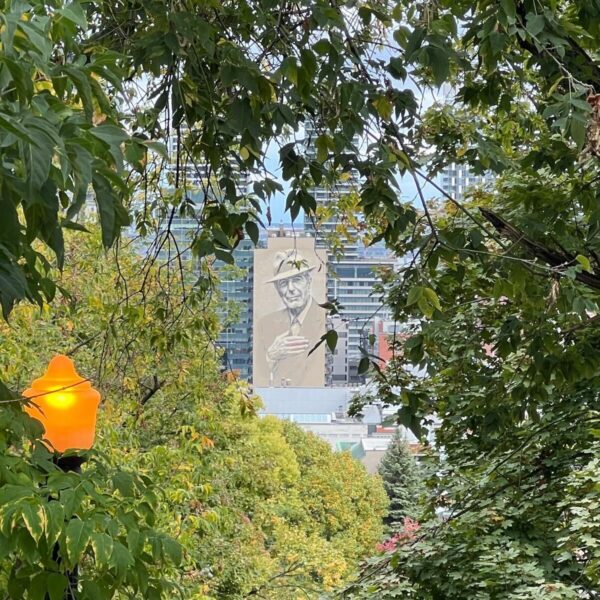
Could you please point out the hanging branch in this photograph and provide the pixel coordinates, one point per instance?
(554, 258)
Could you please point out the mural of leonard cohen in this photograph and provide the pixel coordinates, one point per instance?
(288, 319)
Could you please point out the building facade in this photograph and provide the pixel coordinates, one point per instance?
(289, 322)
(236, 283)
(354, 271)
(456, 180)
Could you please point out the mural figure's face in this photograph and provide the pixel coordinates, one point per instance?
(295, 291)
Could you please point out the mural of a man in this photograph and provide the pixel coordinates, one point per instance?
(286, 336)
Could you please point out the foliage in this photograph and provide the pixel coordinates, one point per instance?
(212, 499)
(403, 481)
(301, 529)
(502, 288)
(502, 291)
(407, 532)
(108, 519)
(59, 134)
(223, 83)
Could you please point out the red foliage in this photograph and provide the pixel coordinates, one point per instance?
(408, 533)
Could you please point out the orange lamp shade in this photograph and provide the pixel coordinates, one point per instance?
(66, 404)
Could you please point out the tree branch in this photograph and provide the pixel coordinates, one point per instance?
(535, 250)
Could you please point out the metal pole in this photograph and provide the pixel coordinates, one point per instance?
(68, 464)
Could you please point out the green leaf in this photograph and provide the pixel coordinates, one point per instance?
(38, 587)
(92, 590)
(124, 483)
(584, 262)
(66, 224)
(84, 89)
(322, 145)
(157, 147)
(432, 298)
(363, 365)
(322, 47)
(11, 125)
(57, 585)
(414, 295)
(102, 545)
(240, 114)
(74, 13)
(56, 521)
(35, 520)
(224, 256)
(384, 107)
(331, 337)
(171, 550)
(37, 158)
(121, 559)
(110, 134)
(396, 68)
(252, 231)
(425, 307)
(9, 493)
(113, 215)
(77, 537)
(439, 62)
(579, 305)
(309, 62)
(510, 10)
(535, 24)
(577, 129)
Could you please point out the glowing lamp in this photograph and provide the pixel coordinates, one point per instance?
(66, 404)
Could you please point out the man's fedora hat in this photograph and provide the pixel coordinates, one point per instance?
(288, 264)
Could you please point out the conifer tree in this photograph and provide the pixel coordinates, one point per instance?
(402, 481)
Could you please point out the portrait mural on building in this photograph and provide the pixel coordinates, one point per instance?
(289, 285)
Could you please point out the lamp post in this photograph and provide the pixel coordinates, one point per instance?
(66, 405)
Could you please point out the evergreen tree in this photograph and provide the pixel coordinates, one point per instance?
(402, 480)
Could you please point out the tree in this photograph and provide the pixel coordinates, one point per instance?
(60, 134)
(403, 481)
(503, 289)
(305, 515)
(187, 488)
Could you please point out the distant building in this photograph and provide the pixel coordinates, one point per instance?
(457, 179)
(308, 405)
(337, 361)
(324, 412)
(353, 283)
(236, 310)
(289, 321)
(353, 272)
(381, 337)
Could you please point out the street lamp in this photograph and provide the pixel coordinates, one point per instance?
(65, 404)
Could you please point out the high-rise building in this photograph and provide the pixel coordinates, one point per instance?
(457, 179)
(176, 230)
(236, 284)
(325, 195)
(289, 319)
(353, 283)
(353, 272)
(336, 372)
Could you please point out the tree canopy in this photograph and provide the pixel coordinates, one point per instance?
(187, 491)
(501, 287)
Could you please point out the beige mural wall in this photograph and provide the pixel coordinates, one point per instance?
(289, 283)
